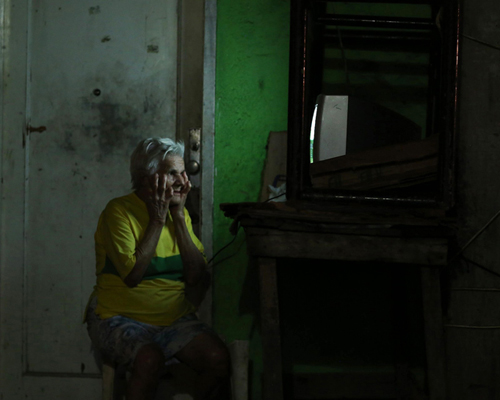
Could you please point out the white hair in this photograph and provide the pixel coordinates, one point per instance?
(147, 156)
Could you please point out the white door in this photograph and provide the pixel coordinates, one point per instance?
(98, 77)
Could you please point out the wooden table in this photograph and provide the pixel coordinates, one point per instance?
(351, 233)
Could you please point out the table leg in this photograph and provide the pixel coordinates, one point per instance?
(272, 384)
(434, 336)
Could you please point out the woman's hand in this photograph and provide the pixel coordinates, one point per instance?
(157, 193)
(160, 193)
(177, 210)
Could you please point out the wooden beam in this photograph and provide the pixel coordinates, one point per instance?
(275, 243)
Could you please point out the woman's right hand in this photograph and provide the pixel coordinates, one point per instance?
(158, 200)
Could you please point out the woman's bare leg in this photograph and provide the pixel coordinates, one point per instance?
(209, 357)
(145, 373)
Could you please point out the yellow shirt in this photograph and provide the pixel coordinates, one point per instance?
(159, 298)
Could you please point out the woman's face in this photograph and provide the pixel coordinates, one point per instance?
(175, 172)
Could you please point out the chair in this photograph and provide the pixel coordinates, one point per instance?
(108, 380)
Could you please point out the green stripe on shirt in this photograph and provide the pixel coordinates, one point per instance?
(159, 268)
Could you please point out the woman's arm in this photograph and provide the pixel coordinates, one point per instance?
(192, 260)
(157, 202)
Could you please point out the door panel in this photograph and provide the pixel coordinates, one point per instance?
(102, 77)
(81, 84)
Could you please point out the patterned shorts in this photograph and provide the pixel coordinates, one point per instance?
(120, 338)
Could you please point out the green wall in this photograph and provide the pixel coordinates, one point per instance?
(251, 101)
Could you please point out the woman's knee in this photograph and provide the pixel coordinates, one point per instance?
(218, 361)
(149, 360)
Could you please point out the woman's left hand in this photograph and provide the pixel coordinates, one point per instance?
(178, 208)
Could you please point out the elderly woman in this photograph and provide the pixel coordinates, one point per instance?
(147, 259)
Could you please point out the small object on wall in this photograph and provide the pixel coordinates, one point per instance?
(193, 163)
(277, 193)
(192, 167)
(274, 172)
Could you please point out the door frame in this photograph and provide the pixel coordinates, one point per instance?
(189, 100)
(14, 43)
(208, 143)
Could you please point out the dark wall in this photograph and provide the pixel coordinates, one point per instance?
(472, 322)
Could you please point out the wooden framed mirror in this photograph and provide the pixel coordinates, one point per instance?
(372, 101)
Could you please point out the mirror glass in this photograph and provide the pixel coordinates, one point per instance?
(372, 96)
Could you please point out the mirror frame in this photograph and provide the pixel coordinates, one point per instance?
(298, 159)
